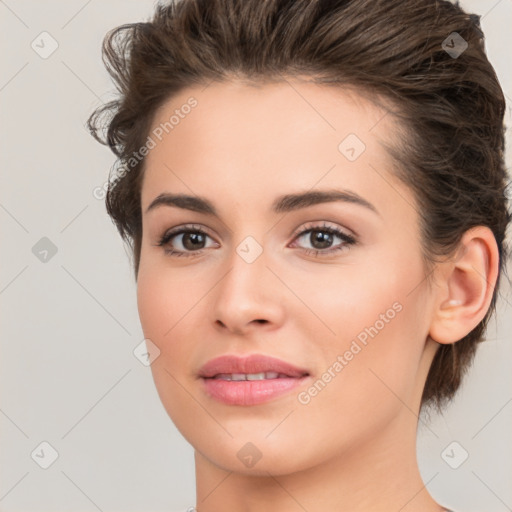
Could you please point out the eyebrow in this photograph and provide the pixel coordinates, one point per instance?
(282, 204)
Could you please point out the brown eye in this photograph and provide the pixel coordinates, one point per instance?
(320, 239)
(193, 241)
(323, 240)
(185, 241)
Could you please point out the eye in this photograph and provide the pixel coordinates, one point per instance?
(191, 240)
(322, 239)
(185, 241)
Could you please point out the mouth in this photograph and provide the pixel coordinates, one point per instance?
(251, 380)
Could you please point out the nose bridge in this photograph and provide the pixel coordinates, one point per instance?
(246, 279)
(247, 292)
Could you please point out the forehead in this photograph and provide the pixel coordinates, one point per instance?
(286, 107)
(260, 138)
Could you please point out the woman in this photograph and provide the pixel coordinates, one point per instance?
(314, 193)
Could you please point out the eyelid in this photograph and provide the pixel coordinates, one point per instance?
(187, 228)
(323, 224)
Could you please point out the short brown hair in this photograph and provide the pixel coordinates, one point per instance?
(451, 105)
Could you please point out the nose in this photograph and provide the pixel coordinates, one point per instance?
(248, 297)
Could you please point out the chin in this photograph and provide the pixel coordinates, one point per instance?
(251, 459)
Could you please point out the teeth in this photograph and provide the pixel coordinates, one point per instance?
(263, 375)
(255, 376)
(249, 376)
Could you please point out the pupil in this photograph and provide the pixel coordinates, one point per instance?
(322, 237)
(194, 238)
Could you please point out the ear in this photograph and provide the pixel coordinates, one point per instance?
(466, 286)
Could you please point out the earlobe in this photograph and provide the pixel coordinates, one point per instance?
(466, 287)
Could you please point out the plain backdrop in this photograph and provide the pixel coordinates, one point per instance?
(69, 378)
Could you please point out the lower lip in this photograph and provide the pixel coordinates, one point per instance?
(250, 392)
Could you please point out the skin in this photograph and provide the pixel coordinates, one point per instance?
(352, 447)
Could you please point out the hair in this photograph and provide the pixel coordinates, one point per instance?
(450, 106)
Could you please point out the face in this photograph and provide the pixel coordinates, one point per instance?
(299, 244)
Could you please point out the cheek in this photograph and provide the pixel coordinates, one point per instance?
(171, 305)
(163, 306)
(165, 298)
(154, 305)
(377, 326)
(350, 298)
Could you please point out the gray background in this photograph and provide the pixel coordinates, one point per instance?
(70, 323)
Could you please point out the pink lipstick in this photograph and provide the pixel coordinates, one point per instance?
(250, 380)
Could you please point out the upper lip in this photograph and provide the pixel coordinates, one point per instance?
(256, 363)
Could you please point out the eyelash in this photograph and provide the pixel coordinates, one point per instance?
(348, 240)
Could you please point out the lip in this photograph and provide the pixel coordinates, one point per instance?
(250, 392)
